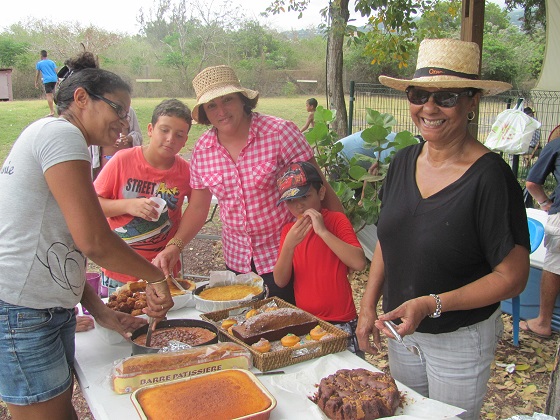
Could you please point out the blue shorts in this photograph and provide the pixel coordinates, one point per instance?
(36, 353)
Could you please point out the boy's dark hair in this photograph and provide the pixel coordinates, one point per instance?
(43, 53)
(172, 108)
(528, 110)
(313, 102)
(317, 185)
(85, 73)
(248, 106)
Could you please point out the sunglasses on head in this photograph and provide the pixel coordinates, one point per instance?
(442, 98)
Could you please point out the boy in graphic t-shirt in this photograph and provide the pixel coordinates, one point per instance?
(318, 249)
(133, 176)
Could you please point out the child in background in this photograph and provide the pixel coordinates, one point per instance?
(133, 176)
(318, 249)
(311, 106)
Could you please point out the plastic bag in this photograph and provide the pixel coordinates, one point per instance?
(512, 131)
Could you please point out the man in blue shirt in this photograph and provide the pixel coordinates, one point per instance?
(547, 163)
(46, 69)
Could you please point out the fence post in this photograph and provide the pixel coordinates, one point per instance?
(515, 158)
(351, 108)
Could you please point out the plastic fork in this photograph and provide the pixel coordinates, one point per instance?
(412, 348)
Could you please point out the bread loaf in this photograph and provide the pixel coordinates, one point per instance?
(145, 369)
(273, 325)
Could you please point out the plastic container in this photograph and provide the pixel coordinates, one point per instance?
(530, 298)
(94, 279)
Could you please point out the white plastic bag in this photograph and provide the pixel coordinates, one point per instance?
(512, 131)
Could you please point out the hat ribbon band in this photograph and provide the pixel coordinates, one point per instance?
(437, 71)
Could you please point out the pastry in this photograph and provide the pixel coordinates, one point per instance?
(357, 394)
(317, 333)
(194, 336)
(251, 313)
(289, 340)
(218, 396)
(262, 346)
(231, 292)
(227, 323)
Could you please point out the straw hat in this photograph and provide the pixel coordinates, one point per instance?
(213, 82)
(447, 63)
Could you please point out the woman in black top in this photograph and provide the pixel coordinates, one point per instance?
(453, 237)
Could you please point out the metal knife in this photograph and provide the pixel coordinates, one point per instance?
(149, 333)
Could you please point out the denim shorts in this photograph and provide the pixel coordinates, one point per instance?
(36, 353)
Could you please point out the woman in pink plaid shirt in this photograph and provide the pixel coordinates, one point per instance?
(238, 161)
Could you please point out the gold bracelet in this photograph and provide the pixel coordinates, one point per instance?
(163, 280)
(177, 242)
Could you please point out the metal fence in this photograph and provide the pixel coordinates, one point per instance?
(545, 104)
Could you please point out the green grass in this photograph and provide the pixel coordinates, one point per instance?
(16, 115)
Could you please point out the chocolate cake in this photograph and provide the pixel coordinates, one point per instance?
(357, 394)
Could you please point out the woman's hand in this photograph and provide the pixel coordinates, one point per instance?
(367, 332)
(411, 313)
(122, 323)
(143, 208)
(159, 300)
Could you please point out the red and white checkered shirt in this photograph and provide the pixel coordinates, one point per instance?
(246, 189)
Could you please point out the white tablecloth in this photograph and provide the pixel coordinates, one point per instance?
(95, 357)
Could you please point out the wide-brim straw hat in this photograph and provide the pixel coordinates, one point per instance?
(213, 82)
(447, 63)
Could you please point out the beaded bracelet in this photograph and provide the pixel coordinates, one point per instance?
(177, 242)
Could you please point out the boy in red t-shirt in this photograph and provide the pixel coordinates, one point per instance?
(128, 182)
(318, 249)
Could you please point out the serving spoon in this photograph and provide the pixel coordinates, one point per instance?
(412, 348)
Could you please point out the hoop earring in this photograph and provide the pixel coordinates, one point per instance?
(471, 117)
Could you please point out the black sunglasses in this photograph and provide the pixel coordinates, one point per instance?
(121, 112)
(442, 98)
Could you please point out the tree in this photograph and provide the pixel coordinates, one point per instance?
(534, 15)
(192, 34)
(11, 51)
(392, 36)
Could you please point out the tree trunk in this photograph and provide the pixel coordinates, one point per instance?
(339, 15)
(553, 398)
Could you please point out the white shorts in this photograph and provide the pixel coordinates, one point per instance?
(552, 244)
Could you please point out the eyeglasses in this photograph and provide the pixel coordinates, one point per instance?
(121, 112)
(442, 98)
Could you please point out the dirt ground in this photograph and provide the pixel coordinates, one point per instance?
(523, 391)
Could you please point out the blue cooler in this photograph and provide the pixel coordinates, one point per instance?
(530, 298)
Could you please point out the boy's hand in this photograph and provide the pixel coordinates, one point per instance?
(142, 207)
(298, 231)
(317, 221)
(167, 259)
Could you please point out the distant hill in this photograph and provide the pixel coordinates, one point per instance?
(515, 18)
